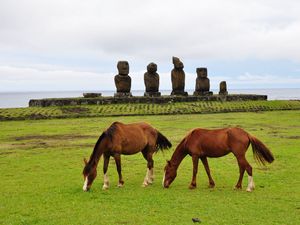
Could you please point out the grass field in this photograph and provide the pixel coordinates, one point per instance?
(41, 181)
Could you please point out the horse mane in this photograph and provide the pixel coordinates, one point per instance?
(182, 145)
(111, 130)
(95, 153)
(186, 139)
(180, 151)
(109, 133)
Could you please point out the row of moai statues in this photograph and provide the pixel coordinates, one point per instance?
(151, 80)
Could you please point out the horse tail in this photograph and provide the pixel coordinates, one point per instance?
(261, 152)
(162, 142)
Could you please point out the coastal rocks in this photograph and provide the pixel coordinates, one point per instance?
(151, 80)
(123, 80)
(202, 83)
(178, 78)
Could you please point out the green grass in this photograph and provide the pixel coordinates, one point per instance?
(41, 181)
(145, 109)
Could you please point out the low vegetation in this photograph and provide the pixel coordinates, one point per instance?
(145, 109)
(41, 165)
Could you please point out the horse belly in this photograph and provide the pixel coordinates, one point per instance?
(216, 154)
(130, 151)
(133, 147)
(215, 150)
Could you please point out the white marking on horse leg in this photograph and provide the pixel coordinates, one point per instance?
(251, 185)
(84, 188)
(106, 182)
(146, 179)
(151, 175)
(163, 181)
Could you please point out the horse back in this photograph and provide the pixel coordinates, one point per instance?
(131, 138)
(213, 143)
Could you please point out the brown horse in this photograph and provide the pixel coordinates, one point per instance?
(124, 139)
(202, 143)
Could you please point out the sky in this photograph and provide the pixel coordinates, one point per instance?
(56, 45)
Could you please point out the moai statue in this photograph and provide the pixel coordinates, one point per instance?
(202, 82)
(223, 88)
(151, 79)
(178, 78)
(122, 80)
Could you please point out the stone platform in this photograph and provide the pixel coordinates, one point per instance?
(141, 99)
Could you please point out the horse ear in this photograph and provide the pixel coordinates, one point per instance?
(169, 163)
(85, 161)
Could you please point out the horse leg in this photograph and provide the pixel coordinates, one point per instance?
(117, 158)
(195, 159)
(242, 166)
(251, 184)
(205, 164)
(105, 167)
(149, 174)
(150, 166)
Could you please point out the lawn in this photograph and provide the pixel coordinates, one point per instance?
(41, 182)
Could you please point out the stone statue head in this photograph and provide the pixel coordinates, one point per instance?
(177, 63)
(152, 68)
(201, 72)
(223, 86)
(123, 68)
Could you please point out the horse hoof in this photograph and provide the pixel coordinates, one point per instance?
(211, 185)
(105, 187)
(249, 190)
(145, 183)
(192, 186)
(121, 184)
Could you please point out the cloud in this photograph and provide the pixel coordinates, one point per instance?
(203, 29)
(250, 81)
(44, 80)
(87, 38)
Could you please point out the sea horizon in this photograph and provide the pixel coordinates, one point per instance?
(19, 99)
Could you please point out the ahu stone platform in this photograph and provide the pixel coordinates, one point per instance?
(141, 99)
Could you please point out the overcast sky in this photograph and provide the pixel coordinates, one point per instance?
(75, 44)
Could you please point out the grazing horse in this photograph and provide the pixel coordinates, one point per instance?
(202, 143)
(124, 139)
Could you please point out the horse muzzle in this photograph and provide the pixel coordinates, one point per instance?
(86, 187)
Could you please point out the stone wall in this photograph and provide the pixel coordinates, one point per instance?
(140, 99)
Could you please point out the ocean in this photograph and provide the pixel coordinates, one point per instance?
(21, 99)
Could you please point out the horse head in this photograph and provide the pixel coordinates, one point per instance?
(89, 174)
(170, 174)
